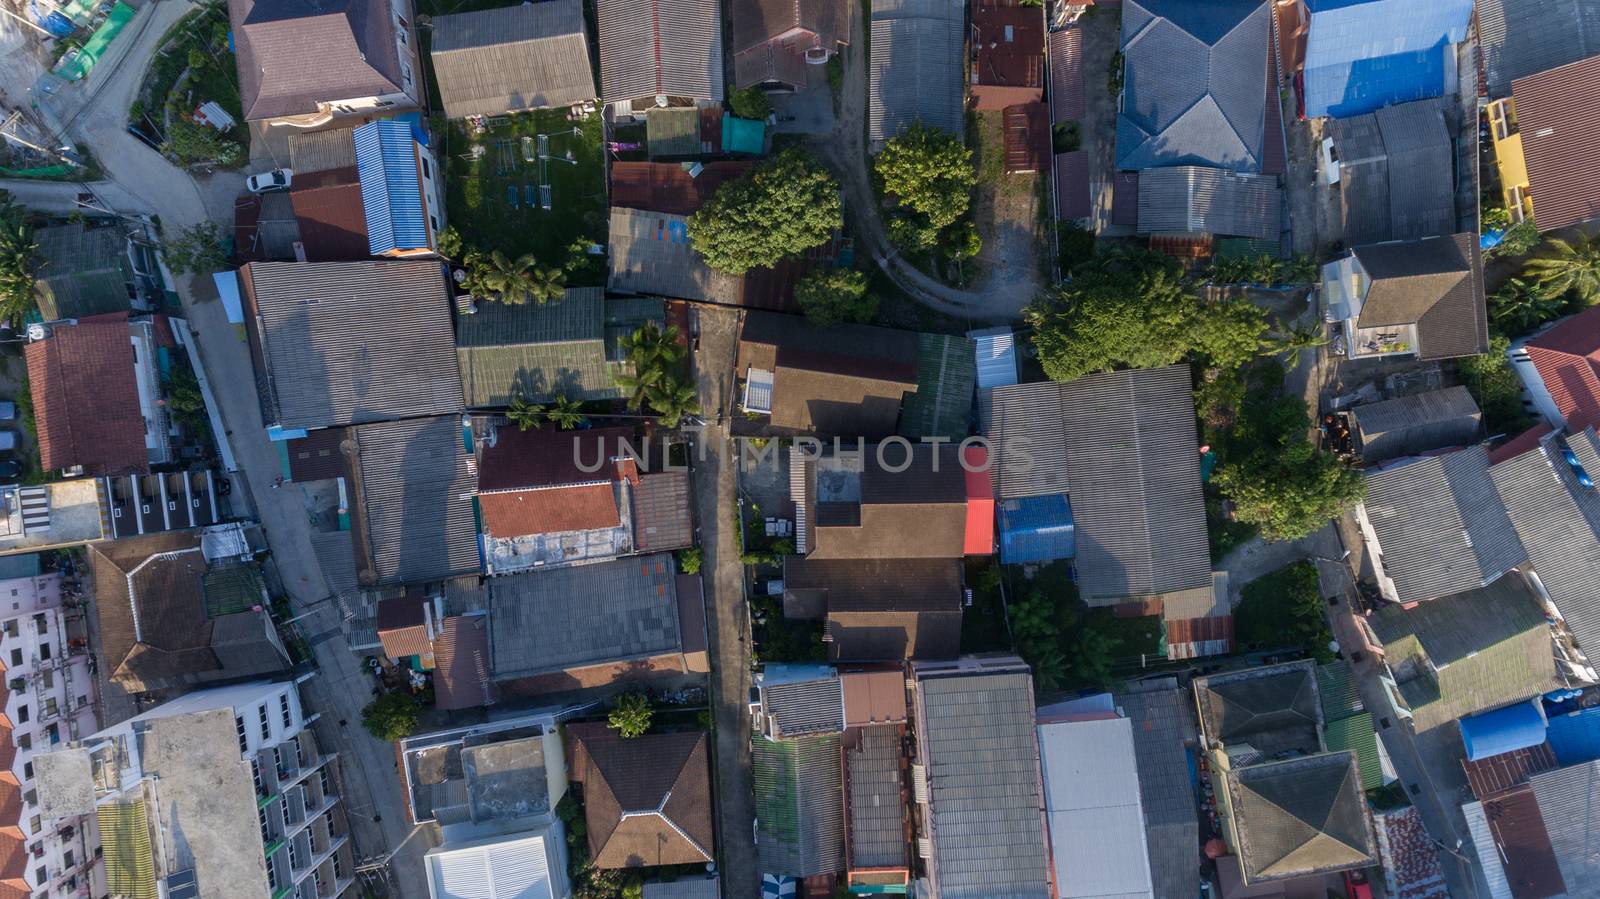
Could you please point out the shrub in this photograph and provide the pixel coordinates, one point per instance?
(391, 717)
(631, 715)
(690, 560)
(750, 103)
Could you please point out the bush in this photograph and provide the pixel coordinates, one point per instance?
(1285, 609)
(1519, 240)
(1077, 245)
(690, 560)
(630, 716)
(196, 250)
(832, 296)
(1066, 136)
(750, 103)
(391, 717)
(1497, 389)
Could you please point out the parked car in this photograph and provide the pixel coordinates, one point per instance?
(1356, 885)
(269, 182)
(10, 469)
(8, 411)
(8, 441)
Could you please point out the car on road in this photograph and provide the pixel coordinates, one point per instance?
(269, 182)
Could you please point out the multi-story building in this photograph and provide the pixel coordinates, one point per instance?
(221, 793)
(47, 702)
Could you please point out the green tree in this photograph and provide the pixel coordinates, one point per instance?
(929, 172)
(1521, 304)
(1496, 388)
(391, 717)
(673, 400)
(19, 260)
(630, 716)
(654, 354)
(1285, 609)
(191, 143)
(831, 296)
(750, 103)
(1519, 240)
(184, 400)
(784, 207)
(1570, 265)
(1299, 339)
(196, 250)
(1136, 311)
(566, 413)
(518, 281)
(525, 415)
(1290, 493)
(691, 560)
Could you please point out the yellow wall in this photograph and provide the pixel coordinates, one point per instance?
(1509, 159)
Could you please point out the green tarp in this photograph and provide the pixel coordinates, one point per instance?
(743, 135)
(95, 47)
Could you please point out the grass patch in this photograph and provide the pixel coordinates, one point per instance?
(477, 186)
(1284, 609)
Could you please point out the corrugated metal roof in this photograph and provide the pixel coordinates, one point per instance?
(941, 406)
(129, 859)
(1569, 802)
(805, 707)
(1545, 34)
(996, 354)
(1028, 452)
(915, 67)
(1559, 115)
(650, 48)
(1396, 166)
(416, 485)
(1575, 736)
(799, 784)
(1091, 790)
(1199, 200)
(1066, 74)
(1362, 55)
(1494, 873)
(1036, 529)
(1072, 185)
(516, 866)
(877, 798)
(391, 186)
(1163, 724)
(319, 151)
(1414, 424)
(1558, 521)
(685, 888)
(494, 61)
(1027, 138)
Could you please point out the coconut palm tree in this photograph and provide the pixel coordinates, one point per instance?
(523, 414)
(1570, 265)
(512, 280)
(673, 400)
(1520, 305)
(18, 263)
(1299, 339)
(566, 413)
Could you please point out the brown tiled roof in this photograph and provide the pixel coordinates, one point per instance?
(874, 696)
(661, 512)
(1027, 137)
(402, 626)
(867, 585)
(318, 456)
(1435, 283)
(461, 676)
(86, 398)
(848, 380)
(333, 222)
(1009, 39)
(757, 21)
(647, 800)
(547, 457)
(295, 54)
(1568, 360)
(1559, 113)
(893, 635)
(1519, 829)
(667, 186)
(549, 511)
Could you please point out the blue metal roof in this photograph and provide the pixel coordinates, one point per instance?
(1036, 529)
(1503, 730)
(391, 190)
(1575, 738)
(1362, 55)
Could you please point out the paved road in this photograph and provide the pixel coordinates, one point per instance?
(729, 621)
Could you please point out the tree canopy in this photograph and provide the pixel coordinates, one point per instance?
(391, 717)
(833, 296)
(1136, 311)
(1570, 265)
(630, 717)
(19, 259)
(196, 250)
(929, 173)
(784, 207)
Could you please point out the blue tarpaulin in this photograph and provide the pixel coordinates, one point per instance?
(1036, 529)
(1503, 730)
(1362, 55)
(1575, 737)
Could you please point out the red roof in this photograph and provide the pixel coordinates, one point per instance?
(1559, 114)
(1568, 360)
(1008, 40)
(461, 658)
(520, 460)
(980, 503)
(1519, 444)
(666, 187)
(551, 511)
(1027, 138)
(86, 399)
(1188, 638)
(333, 221)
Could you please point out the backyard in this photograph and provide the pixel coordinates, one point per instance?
(494, 184)
(193, 66)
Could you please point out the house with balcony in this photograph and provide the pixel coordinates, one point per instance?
(1421, 298)
(47, 701)
(221, 793)
(1545, 136)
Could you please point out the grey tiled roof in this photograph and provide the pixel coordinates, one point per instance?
(1569, 802)
(84, 271)
(685, 888)
(1435, 283)
(351, 342)
(1525, 37)
(1414, 424)
(1251, 702)
(415, 488)
(1395, 173)
(650, 253)
(805, 707)
(654, 47)
(545, 621)
(1441, 525)
(293, 54)
(1163, 721)
(1203, 200)
(494, 61)
(877, 809)
(799, 813)
(1558, 521)
(1194, 84)
(1302, 816)
(982, 757)
(915, 70)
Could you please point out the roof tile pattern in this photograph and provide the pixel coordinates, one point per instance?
(652, 48)
(415, 489)
(1559, 114)
(647, 800)
(1568, 361)
(915, 65)
(295, 54)
(86, 398)
(494, 61)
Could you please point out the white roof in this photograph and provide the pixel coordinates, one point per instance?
(997, 357)
(1494, 873)
(1091, 790)
(524, 866)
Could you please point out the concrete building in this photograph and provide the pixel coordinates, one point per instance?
(222, 793)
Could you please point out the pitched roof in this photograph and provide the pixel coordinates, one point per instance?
(1469, 652)
(461, 673)
(1395, 169)
(977, 733)
(392, 189)
(1253, 704)
(800, 707)
(846, 380)
(770, 37)
(1365, 54)
(662, 515)
(799, 816)
(550, 457)
(84, 271)
(414, 486)
(1567, 358)
(1203, 200)
(650, 48)
(1518, 38)
(1097, 824)
(294, 54)
(1008, 47)
(319, 151)
(1569, 801)
(328, 210)
(1193, 84)
(1441, 525)
(1513, 843)
(1302, 816)
(1163, 720)
(495, 61)
(876, 798)
(647, 799)
(878, 585)
(86, 398)
(350, 342)
(877, 512)
(1413, 424)
(550, 511)
(1435, 283)
(947, 373)
(1559, 115)
(560, 618)
(667, 187)
(914, 69)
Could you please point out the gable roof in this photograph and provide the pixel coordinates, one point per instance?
(461, 669)
(647, 800)
(84, 271)
(917, 512)
(391, 187)
(1518, 38)
(1513, 846)
(1405, 425)
(1441, 524)
(914, 69)
(1008, 49)
(1435, 283)
(328, 210)
(771, 37)
(875, 797)
(560, 618)
(86, 398)
(1567, 358)
(1365, 54)
(295, 54)
(495, 61)
(662, 515)
(1395, 168)
(351, 342)
(1559, 116)
(845, 380)
(1193, 84)
(1569, 800)
(1163, 718)
(1302, 816)
(414, 486)
(549, 457)
(650, 48)
(1203, 200)
(799, 816)
(1092, 803)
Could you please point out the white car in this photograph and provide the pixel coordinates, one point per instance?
(269, 182)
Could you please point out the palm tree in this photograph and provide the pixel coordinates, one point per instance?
(1520, 305)
(1049, 671)
(567, 414)
(547, 285)
(673, 400)
(512, 280)
(18, 262)
(652, 345)
(523, 414)
(1299, 339)
(1570, 265)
